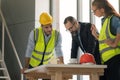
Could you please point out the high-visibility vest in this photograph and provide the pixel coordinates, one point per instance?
(41, 47)
(106, 51)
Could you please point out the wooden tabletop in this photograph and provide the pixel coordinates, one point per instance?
(56, 71)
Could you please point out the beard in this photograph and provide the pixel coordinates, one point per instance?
(74, 33)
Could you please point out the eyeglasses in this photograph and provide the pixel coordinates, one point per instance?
(94, 10)
(71, 27)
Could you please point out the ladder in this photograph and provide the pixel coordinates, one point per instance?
(4, 75)
(3, 69)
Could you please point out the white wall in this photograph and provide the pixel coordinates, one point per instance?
(40, 6)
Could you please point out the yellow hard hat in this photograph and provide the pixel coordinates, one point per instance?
(45, 18)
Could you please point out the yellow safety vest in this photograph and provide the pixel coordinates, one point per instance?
(41, 48)
(106, 51)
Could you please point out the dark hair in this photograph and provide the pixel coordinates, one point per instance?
(109, 9)
(70, 19)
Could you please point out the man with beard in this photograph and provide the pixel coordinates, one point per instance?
(82, 37)
(41, 44)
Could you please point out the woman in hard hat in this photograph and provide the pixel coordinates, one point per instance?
(81, 37)
(109, 38)
(41, 44)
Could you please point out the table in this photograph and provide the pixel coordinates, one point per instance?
(60, 71)
(41, 72)
(57, 71)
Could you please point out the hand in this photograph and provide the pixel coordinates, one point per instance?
(22, 70)
(110, 43)
(60, 60)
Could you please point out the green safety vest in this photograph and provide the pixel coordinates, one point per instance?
(106, 51)
(41, 48)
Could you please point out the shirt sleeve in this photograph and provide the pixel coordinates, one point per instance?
(58, 49)
(30, 44)
(115, 25)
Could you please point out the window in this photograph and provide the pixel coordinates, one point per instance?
(67, 8)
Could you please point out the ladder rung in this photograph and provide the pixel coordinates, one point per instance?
(1, 60)
(3, 77)
(2, 69)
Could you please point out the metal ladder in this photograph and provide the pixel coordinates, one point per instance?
(4, 75)
(3, 69)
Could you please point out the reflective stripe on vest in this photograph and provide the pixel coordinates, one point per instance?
(106, 51)
(37, 54)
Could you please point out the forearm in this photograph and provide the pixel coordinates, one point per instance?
(96, 35)
(27, 60)
(26, 65)
(117, 40)
(113, 43)
(94, 31)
